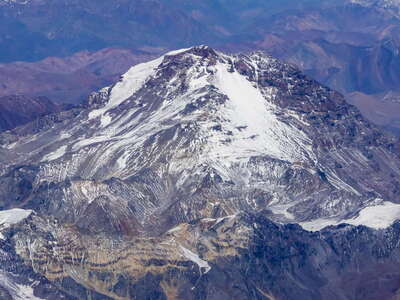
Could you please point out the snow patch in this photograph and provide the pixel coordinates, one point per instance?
(254, 126)
(378, 217)
(176, 52)
(56, 154)
(17, 291)
(129, 84)
(283, 210)
(175, 229)
(11, 217)
(196, 259)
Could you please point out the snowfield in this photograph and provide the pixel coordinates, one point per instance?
(12, 216)
(378, 217)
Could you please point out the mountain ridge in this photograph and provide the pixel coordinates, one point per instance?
(199, 117)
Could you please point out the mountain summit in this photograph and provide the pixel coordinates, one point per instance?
(194, 149)
(198, 133)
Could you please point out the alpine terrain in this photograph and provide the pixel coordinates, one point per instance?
(202, 175)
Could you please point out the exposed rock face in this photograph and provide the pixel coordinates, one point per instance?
(175, 182)
(241, 257)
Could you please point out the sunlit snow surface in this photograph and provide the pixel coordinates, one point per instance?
(262, 133)
(130, 83)
(56, 154)
(17, 291)
(196, 259)
(378, 217)
(12, 216)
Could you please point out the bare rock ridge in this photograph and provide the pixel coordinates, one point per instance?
(182, 181)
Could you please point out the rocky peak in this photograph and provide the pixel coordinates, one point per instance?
(191, 167)
(198, 133)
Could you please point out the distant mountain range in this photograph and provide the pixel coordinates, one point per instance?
(36, 29)
(70, 79)
(19, 110)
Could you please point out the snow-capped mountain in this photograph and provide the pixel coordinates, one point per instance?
(183, 160)
(248, 131)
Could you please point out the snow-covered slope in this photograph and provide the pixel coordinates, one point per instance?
(250, 120)
(374, 216)
(11, 217)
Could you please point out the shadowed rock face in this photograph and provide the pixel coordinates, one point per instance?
(19, 110)
(177, 181)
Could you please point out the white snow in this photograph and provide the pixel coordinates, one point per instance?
(248, 114)
(178, 51)
(89, 141)
(282, 210)
(11, 217)
(64, 135)
(17, 1)
(130, 83)
(219, 220)
(339, 183)
(17, 291)
(261, 132)
(378, 217)
(56, 154)
(318, 224)
(175, 229)
(196, 259)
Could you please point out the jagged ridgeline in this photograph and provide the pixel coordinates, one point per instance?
(181, 181)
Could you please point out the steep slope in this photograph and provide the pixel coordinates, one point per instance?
(165, 186)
